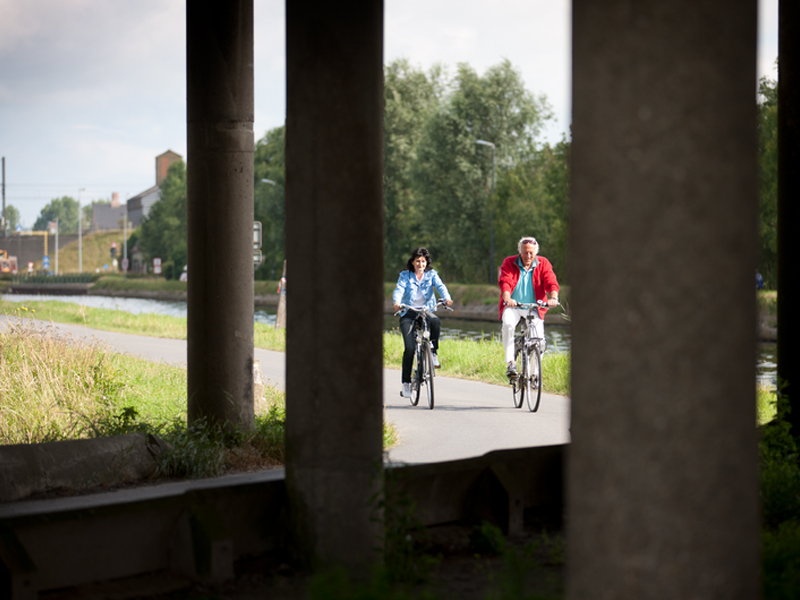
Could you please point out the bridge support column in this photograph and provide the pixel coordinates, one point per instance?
(334, 233)
(219, 56)
(662, 477)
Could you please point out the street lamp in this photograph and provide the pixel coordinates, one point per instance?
(269, 181)
(80, 233)
(492, 278)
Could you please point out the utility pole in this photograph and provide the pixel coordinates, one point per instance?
(492, 273)
(3, 215)
(80, 233)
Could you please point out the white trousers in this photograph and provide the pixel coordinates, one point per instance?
(511, 317)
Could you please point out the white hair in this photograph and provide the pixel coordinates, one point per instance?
(528, 239)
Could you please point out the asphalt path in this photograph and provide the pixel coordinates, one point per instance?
(469, 418)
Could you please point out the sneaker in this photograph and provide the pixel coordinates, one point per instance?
(511, 371)
(406, 391)
(436, 364)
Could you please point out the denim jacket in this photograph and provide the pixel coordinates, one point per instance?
(407, 285)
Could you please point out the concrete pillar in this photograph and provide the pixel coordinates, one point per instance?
(788, 208)
(219, 74)
(334, 247)
(662, 469)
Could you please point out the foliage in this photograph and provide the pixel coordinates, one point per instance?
(533, 199)
(93, 255)
(163, 233)
(780, 500)
(437, 180)
(65, 209)
(453, 174)
(411, 98)
(768, 182)
(12, 217)
(53, 387)
(270, 201)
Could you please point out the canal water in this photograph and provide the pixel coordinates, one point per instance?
(558, 337)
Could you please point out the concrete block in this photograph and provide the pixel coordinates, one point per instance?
(27, 469)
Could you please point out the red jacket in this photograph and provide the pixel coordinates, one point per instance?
(544, 280)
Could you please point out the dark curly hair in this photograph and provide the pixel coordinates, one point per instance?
(416, 252)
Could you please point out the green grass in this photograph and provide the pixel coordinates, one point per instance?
(479, 361)
(55, 387)
(767, 302)
(99, 318)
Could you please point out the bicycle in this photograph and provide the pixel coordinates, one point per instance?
(422, 370)
(528, 350)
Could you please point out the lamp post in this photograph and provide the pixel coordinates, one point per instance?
(125, 242)
(492, 276)
(80, 233)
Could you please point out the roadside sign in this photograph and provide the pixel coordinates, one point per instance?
(257, 258)
(257, 234)
(124, 264)
(46, 263)
(157, 266)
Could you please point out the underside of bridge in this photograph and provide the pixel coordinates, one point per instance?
(661, 475)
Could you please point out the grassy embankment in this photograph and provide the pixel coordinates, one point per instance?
(482, 361)
(95, 253)
(53, 387)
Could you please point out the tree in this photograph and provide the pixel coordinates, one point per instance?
(451, 173)
(768, 182)
(533, 199)
(270, 201)
(65, 209)
(163, 233)
(411, 97)
(12, 217)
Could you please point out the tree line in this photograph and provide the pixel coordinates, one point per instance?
(438, 178)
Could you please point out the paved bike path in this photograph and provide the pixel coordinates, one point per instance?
(469, 418)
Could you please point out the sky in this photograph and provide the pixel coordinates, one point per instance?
(91, 91)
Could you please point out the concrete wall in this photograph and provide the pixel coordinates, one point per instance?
(30, 248)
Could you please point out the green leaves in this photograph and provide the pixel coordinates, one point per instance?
(163, 233)
(438, 180)
(65, 209)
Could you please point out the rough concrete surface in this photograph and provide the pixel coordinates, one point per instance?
(27, 469)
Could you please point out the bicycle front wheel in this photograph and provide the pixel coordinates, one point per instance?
(417, 375)
(429, 374)
(517, 386)
(534, 383)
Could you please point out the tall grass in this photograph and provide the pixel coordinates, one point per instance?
(53, 387)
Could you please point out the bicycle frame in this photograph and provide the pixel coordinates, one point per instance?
(424, 371)
(528, 348)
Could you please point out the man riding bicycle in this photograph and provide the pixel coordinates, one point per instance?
(524, 279)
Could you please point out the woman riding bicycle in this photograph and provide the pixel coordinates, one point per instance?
(415, 289)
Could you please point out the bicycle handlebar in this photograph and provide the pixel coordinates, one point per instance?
(539, 304)
(424, 310)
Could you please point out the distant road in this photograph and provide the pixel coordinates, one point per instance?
(469, 419)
